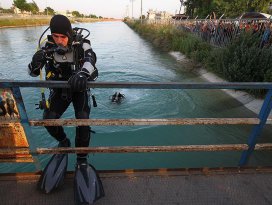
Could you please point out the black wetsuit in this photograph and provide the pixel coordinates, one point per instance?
(60, 68)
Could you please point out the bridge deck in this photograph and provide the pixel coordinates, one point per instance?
(194, 186)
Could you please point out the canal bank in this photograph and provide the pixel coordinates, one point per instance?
(207, 61)
(31, 21)
(242, 60)
(252, 103)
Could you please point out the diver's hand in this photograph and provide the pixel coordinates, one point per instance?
(78, 82)
(37, 63)
(38, 57)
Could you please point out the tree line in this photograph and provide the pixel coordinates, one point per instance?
(34, 9)
(230, 8)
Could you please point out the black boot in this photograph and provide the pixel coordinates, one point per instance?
(82, 160)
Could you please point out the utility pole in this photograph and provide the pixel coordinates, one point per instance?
(141, 11)
(46, 8)
(181, 4)
(132, 8)
(127, 11)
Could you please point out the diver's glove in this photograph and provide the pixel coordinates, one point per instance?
(78, 82)
(37, 63)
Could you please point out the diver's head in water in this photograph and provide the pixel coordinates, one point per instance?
(117, 97)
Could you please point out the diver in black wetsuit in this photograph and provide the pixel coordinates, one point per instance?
(66, 57)
(117, 97)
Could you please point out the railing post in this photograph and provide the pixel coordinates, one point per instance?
(20, 105)
(256, 132)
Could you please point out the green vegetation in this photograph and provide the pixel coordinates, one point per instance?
(34, 9)
(241, 61)
(169, 38)
(231, 8)
(80, 15)
(77, 14)
(24, 6)
(16, 22)
(6, 11)
(49, 11)
(20, 22)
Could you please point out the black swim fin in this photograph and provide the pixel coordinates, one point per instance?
(88, 187)
(54, 173)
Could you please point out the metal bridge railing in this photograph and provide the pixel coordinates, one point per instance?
(247, 148)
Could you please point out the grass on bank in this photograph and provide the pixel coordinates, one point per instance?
(169, 38)
(21, 22)
(12, 22)
(241, 61)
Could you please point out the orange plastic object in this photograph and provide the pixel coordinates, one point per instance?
(14, 146)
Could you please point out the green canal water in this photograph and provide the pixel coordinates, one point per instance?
(123, 56)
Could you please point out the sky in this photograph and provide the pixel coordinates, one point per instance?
(105, 8)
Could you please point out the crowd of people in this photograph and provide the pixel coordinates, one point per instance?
(221, 32)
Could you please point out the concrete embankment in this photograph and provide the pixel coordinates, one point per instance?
(246, 99)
